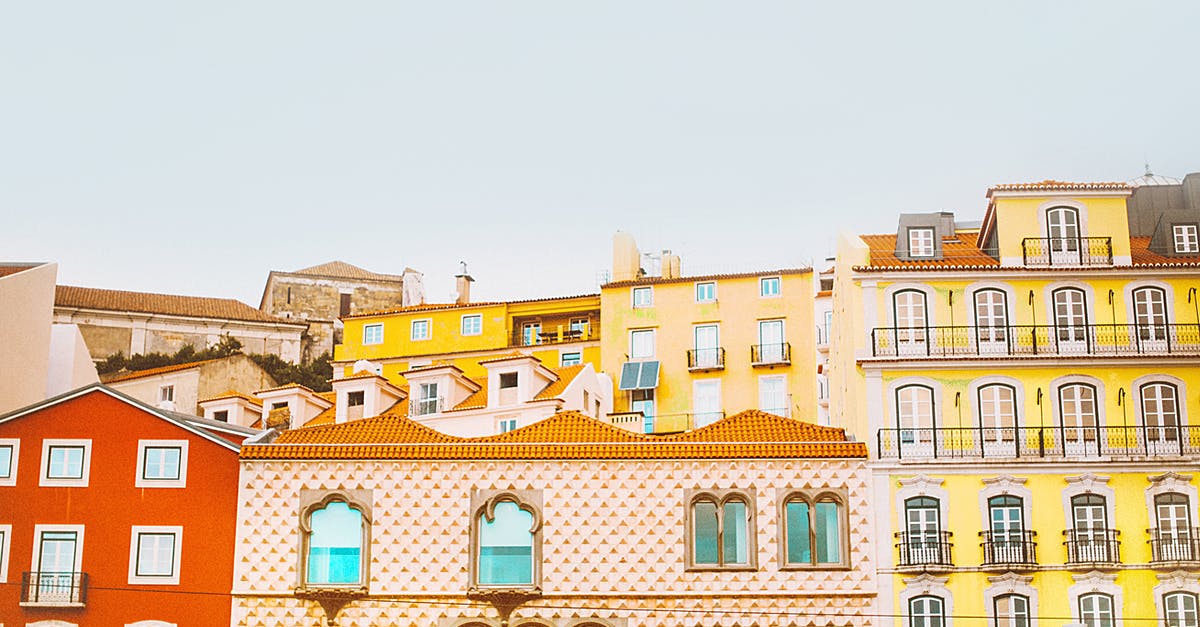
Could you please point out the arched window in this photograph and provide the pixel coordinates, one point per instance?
(923, 533)
(1150, 314)
(335, 534)
(1006, 541)
(1173, 539)
(814, 529)
(722, 530)
(1062, 225)
(1077, 408)
(909, 316)
(991, 319)
(1011, 610)
(914, 413)
(998, 412)
(1089, 539)
(1160, 411)
(1070, 315)
(1179, 609)
(507, 541)
(1096, 610)
(926, 611)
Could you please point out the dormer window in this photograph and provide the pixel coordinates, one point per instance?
(355, 399)
(920, 242)
(508, 380)
(427, 402)
(1186, 238)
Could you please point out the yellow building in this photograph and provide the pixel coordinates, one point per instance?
(1046, 355)
(683, 350)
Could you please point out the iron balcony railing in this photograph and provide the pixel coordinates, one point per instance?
(770, 354)
(924, 549)
(706, 359)
(426, 406)
(522, 337)
(1038, 442)
(1042, 339)
(1067, 251)
(54, 588)
(1093, 546)
(1179, 544)
(1009, 548)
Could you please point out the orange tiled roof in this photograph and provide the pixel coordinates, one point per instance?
(233, 394)
(565, 376)
(329, 416)
(1050, 185)
(654, 280)
(478, 399)
(343, 270)
(150, 372)
(1143, 256)
(960, 253)
(420, 308)
(292, 385)
(566, 435)
(13, 268)
(507, 356)
(166, 304)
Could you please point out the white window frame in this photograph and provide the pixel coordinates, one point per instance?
(166, 393)
(511, 423)
(1186, 238)
(5, 549)
(653, 345)
(412, 330)
(563, 356)
(35, 561)
(917, 244)
(762, 287)
(781, 379)
(368, 333)
(14, 445)
(697, 386)
(177, 548)
(51, 482)
(714, 292)
(462, 325)
(142, 481)
(645, 289)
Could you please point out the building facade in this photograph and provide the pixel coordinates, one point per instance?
(180, 387)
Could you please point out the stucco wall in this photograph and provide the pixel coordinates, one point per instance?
(25, 334)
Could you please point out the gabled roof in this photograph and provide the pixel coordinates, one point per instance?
(343, 270)
(194, 424)
(163, 304)
(959, 252)
(565, 376)
(232, 394)
(118, 377)
(13, 268)
(566, 435)
(1143, 256)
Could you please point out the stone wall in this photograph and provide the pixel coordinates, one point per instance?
(318, 300)
(104, 341)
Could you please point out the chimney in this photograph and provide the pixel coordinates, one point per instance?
(462, 284)
(414, 288)
(670, 265)
(626, 258)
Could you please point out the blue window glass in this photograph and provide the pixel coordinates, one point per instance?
(734, 539)
(827, 536)
(799, 545)
(335, 545)
(506, 547)
(6, 461)
(704, 527)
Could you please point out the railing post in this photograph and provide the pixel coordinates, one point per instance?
(935, 442)
(1033, 332)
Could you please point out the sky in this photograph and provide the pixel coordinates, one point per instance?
(190, 148)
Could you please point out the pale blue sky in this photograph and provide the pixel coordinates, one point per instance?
(192, 148)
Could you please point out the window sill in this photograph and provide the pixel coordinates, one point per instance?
(817, 567)
(717, 568)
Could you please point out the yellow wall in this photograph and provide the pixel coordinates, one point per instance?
(1018, 218)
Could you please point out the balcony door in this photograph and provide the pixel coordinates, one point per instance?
(1077, 409)
(57, 565)
(770, 341)
(1070, 320)
(998, 420)
(707, 343)
(1173, 537)
(1150, 316)
(914, 421)
(1089, 541)
(1062, 225)
(1008, 530)
(911, 323)
(1160, 418)
(923, 516)
(991, 321)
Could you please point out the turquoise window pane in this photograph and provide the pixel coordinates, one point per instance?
(335, 545)
(6, 461)
(828, 542)
(506, 547)
(736, 547)
(799, 550)
(704, 527)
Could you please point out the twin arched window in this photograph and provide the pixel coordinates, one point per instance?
(813, 530)
(722, 530)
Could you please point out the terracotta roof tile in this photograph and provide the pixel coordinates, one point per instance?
(477, 400)
(420, 308)
(960, 252)
(566, 435)
(343, 270)
(233, 394)
(13, 268)
(565, 376)
(150, 372)
(1143, 256)
(1067, 186)
(655, 280)
(165, 304)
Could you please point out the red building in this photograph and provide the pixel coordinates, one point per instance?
(115, 513)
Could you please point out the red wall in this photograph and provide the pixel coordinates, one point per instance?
(110, 505)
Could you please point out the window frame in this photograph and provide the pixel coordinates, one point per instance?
(1166, 611)
(1190, 241)
(35, 563)
(14, 448)
(313, 500)
(142, 481)
(483, 502)
(509, 422)
(476, 329)
(710, 299)
(5, 551)
(924, 253)
(135, 534)
(44, 480)
(764, 292)
(926, 622)
(562, 358)
(370, 337)
(839, 496)
(634, 292)
(996, 618)
(166, 393)
(653, 345)
(412, 329)
(1112, 609)
(720, 498)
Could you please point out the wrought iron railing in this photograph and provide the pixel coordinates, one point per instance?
(1067, 251)
(1042, 339)
(426, 406)
(1009, 548)
(1039, 442)
(1093, 546)
(523, 337)
(54, 588)
(1180, 544)
(924, 549)
(770, 354)
(706, 358)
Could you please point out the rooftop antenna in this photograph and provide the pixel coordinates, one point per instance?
(1147, 162)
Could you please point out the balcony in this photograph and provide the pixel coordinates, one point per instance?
(638, 422)
(770, 354)
(53, 589)
(1175, 548)
(426, 407)
(924, 552)
(1009, 550)
(532, 337)
(1089, 549)
(1130, 340)
(701, 359)
(1066, 251)
(822, 337)
(951, 443)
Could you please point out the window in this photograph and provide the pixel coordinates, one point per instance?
(356, 398)
(1179, 609)
(372, 334)
(772, 348)
(920, 242)
(166, 393)
(1096, 610)
(1070, 315)
(643, 297)
(991, 317)
(643, 400)
(1005, 542)
(1063, 229)
(10, 449)
(1173, 541)
(923, 533)
(909, 317)
(768, 286)
(279, 405)
(706, 352)
(529, 333)
(506, 424)
(706, 402)
(420, 330)
(721, 530)
(335, 531)
(706, 292)
(472, 324)
(914, 414)
(813, 530)
(58, 554)
(579, 326)
(570, 359)
(508, 380)
(506, 539)
(154, 555)
(925, 611)
(343, 305)
(1150, 314)
(66, 462)
(997, 413)
(1186, 240)
(641, 344)
(1087, 541)
(1160, 412)
(222, 415)
(773, 396)
(427, 399)
(1011, 610)
(162, 464)
(5, 543)
(1078, 408)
